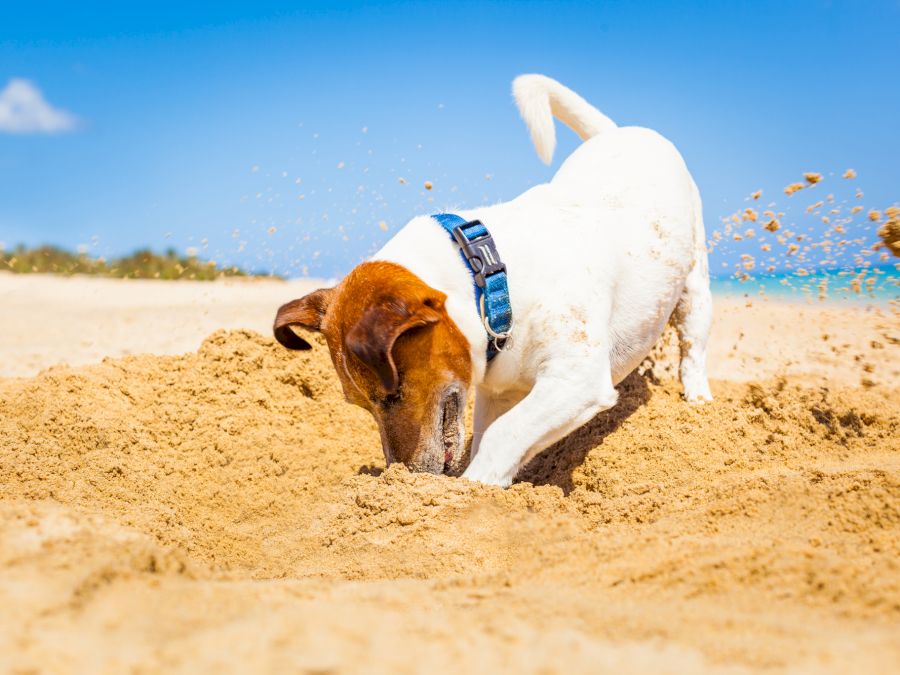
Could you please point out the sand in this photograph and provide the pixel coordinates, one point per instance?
(80, 320)
(225, 510)
(83, 319)
(890, 232)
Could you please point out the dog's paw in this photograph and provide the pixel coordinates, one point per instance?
(696, 390)
(698, 397)
(488, 475)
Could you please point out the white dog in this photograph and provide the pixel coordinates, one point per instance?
(596, 262)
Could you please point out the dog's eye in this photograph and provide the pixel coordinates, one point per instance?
(391, 399)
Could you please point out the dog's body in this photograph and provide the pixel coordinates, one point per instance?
(598, 261)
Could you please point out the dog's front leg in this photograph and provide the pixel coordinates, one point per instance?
(561, 400)
(488, 408)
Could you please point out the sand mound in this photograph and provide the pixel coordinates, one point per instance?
(226, 509)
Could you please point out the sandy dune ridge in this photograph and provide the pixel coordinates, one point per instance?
(225, 510)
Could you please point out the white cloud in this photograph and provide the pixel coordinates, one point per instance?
(23, 110)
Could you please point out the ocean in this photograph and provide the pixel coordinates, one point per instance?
(862, 284)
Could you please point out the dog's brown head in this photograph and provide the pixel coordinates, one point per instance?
(397, 354)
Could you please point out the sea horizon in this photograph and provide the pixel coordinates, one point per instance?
(865, 284)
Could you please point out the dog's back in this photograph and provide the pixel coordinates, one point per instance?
(624, 204)
(625, 167)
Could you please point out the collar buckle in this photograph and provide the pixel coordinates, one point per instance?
(481, 253)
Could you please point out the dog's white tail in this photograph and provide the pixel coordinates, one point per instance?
(540, 99)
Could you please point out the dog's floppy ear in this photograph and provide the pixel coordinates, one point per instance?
(306, 312)
(372, 339)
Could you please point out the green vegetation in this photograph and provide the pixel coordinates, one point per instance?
(142, 264)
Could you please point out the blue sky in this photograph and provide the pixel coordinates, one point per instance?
(189, 124)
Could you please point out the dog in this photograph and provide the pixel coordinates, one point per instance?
(594, 264)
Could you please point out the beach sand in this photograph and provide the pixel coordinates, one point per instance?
(205, 500)
(79, 320)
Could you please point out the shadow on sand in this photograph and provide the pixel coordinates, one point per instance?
(555, 465)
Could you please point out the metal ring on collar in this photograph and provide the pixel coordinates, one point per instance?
(506, 336)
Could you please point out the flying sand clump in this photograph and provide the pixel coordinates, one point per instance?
(823, 237)
(890, 231)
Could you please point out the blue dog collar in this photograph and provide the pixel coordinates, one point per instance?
(476, 245)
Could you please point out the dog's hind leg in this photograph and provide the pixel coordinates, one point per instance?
(692, 319)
